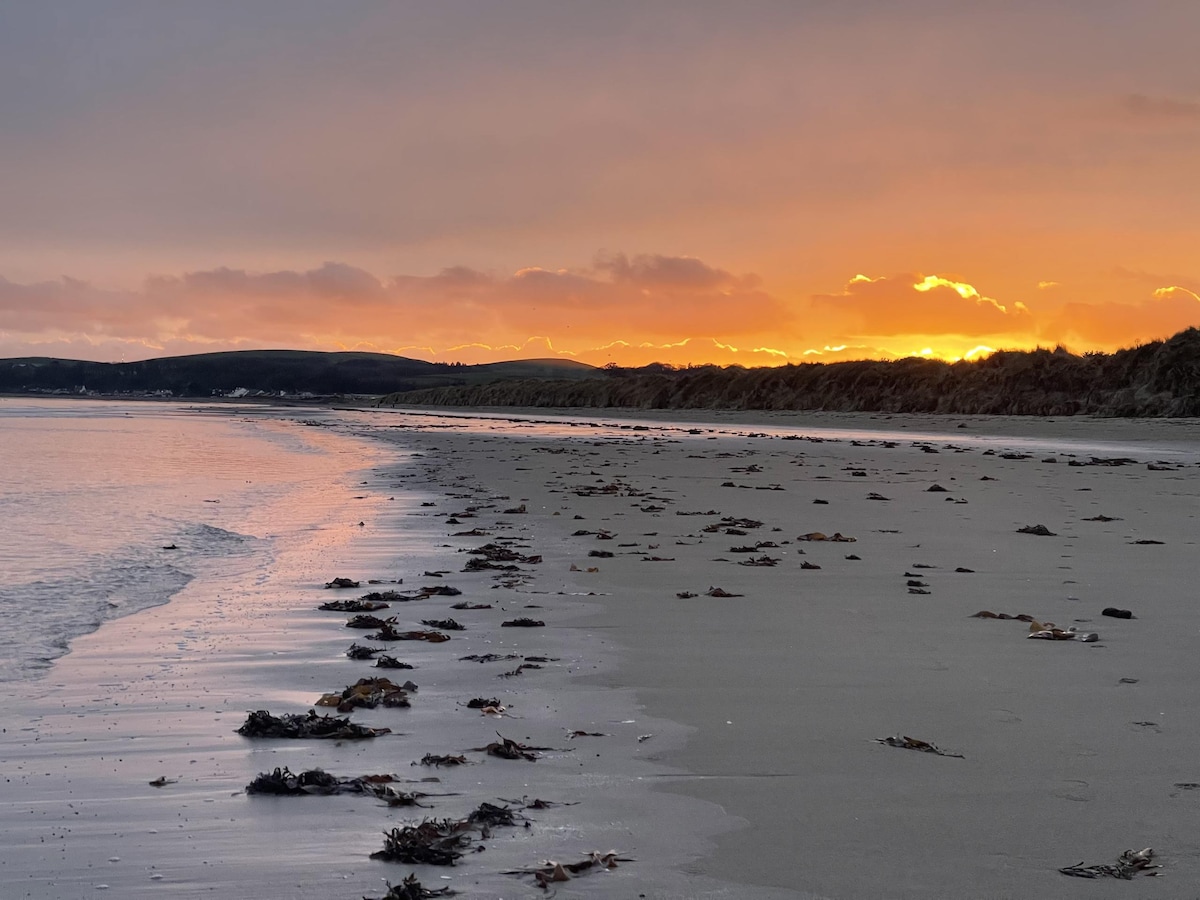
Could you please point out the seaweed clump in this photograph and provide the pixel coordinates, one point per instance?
(411, 889)
(431, 842)
(261, 724)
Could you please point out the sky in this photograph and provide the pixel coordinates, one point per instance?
(685, 182)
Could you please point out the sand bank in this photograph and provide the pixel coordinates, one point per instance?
(765, 706)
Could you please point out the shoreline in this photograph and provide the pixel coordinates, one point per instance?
(159, 693)
(766, 706)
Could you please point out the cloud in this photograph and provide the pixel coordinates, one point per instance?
(1160, 108)
(916, 304)
(656, 298)
(1168, 310)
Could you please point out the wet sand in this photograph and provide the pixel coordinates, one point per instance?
(761, 776)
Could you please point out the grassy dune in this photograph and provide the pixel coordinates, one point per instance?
(1156, 379)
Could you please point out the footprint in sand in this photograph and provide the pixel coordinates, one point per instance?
(1076, 791)
(1007, 716)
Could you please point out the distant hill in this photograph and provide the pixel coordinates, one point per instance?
(271, 371)
(1161, 378)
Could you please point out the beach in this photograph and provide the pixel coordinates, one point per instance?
(728, 746)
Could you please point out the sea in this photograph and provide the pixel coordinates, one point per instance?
(111, 507)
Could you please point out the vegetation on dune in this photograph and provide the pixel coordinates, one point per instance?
(1156, 379)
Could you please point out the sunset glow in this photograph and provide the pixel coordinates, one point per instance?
(676, 183)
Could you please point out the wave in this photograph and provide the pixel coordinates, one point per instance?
(42, 616)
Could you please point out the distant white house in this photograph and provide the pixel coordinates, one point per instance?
(239, 392)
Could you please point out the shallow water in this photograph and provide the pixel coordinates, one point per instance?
(109, 508)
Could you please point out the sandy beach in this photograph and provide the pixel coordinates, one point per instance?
(731, 743)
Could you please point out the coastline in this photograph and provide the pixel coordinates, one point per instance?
(159, 694)
(926, 669)
(767, 706)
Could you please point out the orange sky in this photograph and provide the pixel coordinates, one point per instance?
(630, 182)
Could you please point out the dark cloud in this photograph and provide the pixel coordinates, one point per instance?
(667, 271)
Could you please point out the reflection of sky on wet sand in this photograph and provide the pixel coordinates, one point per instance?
(1176, 449)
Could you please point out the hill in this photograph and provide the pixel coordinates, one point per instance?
(1156, 379)
(271, 371)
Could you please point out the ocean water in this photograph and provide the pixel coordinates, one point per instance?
(93, 493)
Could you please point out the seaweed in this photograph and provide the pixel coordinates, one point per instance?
(488, 814)
(436, 760)
(506, 748)
(488, 657)
(390, 662)
(551, 871)
(261, 724)
(909, 743)
(1129, 863)
(389, 633)
(1040, 530)
(482, 702)
(431, 842)
(357, 606)
(720, 592)
(411, 889)
(523, 622)
(284, 783)
(443, 624)
(358, 651)
(368, 693)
